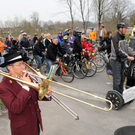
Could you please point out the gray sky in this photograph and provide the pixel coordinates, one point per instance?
(47, 9)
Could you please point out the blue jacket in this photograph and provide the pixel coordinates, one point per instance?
(9, 44)
(65, 47)
(60, 39)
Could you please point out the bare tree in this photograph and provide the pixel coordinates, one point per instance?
(69, 5)
(101, 7)
(83, 11)
(35, 21)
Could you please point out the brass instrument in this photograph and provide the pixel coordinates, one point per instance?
(43, 87)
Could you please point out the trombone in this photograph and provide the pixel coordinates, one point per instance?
(42, 88)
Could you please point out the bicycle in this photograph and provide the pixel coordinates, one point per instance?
(91, 66)
(65, 71)
(79, 68)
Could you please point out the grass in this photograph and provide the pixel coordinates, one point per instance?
(1, 103)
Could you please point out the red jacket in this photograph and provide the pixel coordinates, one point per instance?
(22, 107)
(87, 46)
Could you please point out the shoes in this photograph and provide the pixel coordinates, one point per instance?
(54, 80)
(38, 70)
(57, 74)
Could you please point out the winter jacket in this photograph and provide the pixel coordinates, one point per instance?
(65, 47)
(35, 39)
(108, 44)
(52, 51)
(70, 41)
(132, 42)
(9, 44)
(38, 49)
(104, 34)
(92, 35)
(87, 46)
(15, 48)
(120, 49)
(60, 39)
(24, 42)
(2, 45)
(74, 33)
(47, 42)
(77, 47)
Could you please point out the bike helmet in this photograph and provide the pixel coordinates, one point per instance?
(65, 38)
(83, 32)
(21, 31)
(59, 32)
(122, 25)
(66, 30)
(24, 34)
(78, 31)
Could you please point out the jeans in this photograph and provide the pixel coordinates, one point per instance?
(49, 64)
(39, 60)
(100, 41)
(118, 75)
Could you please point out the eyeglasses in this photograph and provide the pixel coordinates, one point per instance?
(19, 65)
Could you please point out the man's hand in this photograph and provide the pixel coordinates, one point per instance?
(65, 55)
(25, 78)
(83, 50)
(130, 58)
(48, 93)
(57, 59)
(23, 48)
(46, 49)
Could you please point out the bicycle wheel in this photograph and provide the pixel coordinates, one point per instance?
(92, 69)
(34, 63)
(44, 69)
(79, 70)
(100, 63)
(66, 75)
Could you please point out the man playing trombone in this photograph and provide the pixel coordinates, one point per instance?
(19, 98)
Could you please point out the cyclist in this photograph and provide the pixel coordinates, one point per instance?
(71, 39)
(74, 32)
(52, 53)
(120, 51)
(48, 40)
(35, 39)
(38, 52)
(77, 47)
(24, 44)
(8, 43)
(60, 37)
(66, 32)
(64, 46)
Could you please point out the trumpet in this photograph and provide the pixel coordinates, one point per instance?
(42, 88)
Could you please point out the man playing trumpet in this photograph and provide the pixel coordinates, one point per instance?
(20, 99)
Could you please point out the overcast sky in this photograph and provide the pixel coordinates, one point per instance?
(47, 9)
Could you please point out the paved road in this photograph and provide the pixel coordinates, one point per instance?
(92, 121)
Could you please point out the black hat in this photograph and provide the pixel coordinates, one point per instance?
(12, 57)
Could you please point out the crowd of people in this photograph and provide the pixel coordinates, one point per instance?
(70, 42)
(21, 100)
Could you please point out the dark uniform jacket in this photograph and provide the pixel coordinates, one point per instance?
(52, 51)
